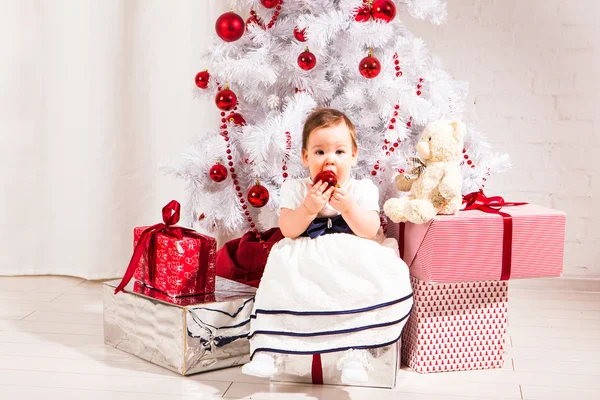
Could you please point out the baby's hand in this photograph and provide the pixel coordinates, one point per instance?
(317, 197)
(341, 200)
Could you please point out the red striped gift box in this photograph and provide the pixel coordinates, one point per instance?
(469, 246)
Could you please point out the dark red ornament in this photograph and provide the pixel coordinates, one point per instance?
(202, 78)
(258, 195)
(230, 27)
(270, 3)
(326, 176)
(369, 67)
(362, 13)
(237, 119)
(226, 100)
(383, 10)
(307, 60)
(218, 173)
(254, 19)
(300, 34)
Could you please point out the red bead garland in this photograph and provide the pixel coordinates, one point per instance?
(286, 156)
(487, 174)
(397, 65)
(419, 86)
(236, 182)
(469, 162)
(389, 149)
(254, 18)
(275, 15)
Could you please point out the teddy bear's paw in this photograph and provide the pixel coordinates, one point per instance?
(419, 211)
(451, 208)
(394, 209)
(450, 190)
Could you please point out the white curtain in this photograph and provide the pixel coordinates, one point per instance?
(93, 96)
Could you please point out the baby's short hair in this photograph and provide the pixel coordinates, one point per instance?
(324, 118)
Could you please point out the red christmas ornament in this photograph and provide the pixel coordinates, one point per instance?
(254, 19)
(230, 27)
(384, 10)
(369, 67)
(326, 176)
(218, 173)
(237, 119)
(362, 13)
(270, 3)
(226, 100)
(307, 60)
(258, 195)
(300, 34)
(202, 78)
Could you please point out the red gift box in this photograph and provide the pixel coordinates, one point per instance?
(456, 326)
(484, 243)
(174, 260)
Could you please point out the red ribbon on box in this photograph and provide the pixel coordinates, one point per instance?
(316, 369)
(147, 242)
(479, 201)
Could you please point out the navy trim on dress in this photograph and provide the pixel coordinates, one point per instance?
(309, 334)
(355, 311)
(326, 350)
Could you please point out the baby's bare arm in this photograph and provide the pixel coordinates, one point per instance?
(363, 223)
(293, 222)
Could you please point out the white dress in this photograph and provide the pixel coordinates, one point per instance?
(334, 292)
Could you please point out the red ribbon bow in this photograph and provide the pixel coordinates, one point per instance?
(479, 201)
(147, 242)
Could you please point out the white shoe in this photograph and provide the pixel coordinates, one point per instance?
(262, 365)
(353, 372)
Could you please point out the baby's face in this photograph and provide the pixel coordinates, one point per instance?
(330, 149)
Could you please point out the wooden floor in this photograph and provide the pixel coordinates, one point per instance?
(51, 347)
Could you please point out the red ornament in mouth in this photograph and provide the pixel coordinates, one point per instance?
(326, 176)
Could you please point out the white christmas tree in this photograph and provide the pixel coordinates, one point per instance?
(268, 72)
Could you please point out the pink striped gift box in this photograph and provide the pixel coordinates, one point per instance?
(456, 326)
(468, 246)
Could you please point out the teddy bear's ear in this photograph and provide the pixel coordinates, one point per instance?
(458, 130)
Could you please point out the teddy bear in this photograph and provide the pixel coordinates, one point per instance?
(434, 183)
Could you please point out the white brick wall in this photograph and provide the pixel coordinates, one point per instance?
(533, 69)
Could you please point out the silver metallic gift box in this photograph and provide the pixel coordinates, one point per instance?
(385, 363)
(187, 335)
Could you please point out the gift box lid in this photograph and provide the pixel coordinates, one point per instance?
(225, 290)
(468, 246)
